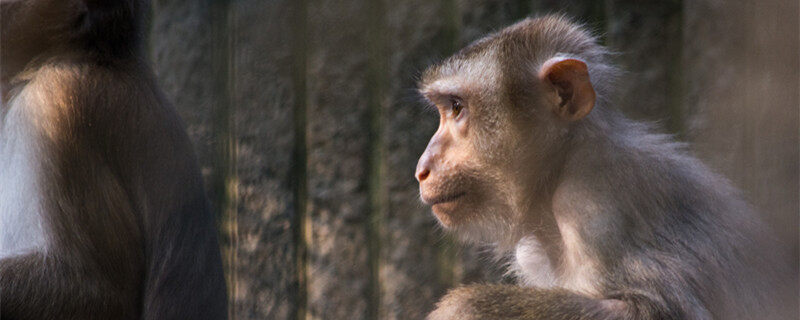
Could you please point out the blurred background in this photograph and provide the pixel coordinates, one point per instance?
(307, 125)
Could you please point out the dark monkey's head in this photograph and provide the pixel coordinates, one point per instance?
(33, 31)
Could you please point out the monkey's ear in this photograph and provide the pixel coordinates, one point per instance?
(569, 79)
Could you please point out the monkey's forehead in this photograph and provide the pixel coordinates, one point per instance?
(460, 73)
(519, 47)
(461, 77)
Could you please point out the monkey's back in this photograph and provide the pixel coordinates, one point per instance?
(680, 228)
(128, 125)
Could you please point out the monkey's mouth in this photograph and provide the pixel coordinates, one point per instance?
(442, 199)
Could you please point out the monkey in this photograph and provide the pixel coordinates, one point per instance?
(598, 216)
(103, 214)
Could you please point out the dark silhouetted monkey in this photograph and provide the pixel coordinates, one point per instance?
(102, 209)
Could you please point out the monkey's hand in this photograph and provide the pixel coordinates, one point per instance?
(496, 302)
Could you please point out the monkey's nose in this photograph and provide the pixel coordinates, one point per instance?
(422, 174)
(425, 163)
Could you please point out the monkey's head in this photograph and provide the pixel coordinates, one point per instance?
(34, 30)
(507, 105)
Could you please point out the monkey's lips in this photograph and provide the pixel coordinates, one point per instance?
(444, 207)
(433, 201)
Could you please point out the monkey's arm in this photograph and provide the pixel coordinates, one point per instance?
(506, 302)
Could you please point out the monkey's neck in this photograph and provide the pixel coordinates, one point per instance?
(546, 245)
(7, 91)
(540, 224)
(533, 205)
(14, 71)
(536, 248)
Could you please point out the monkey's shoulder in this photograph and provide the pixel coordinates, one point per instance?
(113, 112)
(105, 99)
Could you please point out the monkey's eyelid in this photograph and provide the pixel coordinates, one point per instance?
(443, 99)
(430, 106)
(453, 99)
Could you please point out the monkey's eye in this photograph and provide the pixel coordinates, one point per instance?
(456, 107)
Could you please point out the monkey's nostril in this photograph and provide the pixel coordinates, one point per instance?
(423, 174)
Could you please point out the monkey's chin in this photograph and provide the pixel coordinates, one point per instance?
(446, 213)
